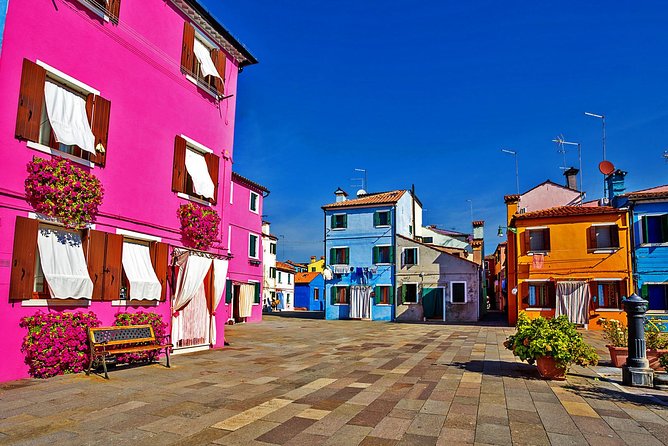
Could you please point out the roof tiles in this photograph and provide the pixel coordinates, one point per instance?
(302, 278)
(654, 192)
(369, 199)
(566, 211)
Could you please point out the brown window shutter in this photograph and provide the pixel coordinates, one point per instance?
(213, 163)
(100, 128)
(187, 49)
(22, 280)
(179, 170)
(614, 236)
(546, 238)
(114, 9)
(591, 238)
(220, 61)
(31, 100)
(160, 262)
(525, 241)
(113, 266)
(94, 246)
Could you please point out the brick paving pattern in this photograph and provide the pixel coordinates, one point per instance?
(313, 382)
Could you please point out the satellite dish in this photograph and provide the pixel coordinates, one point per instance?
(361, 192)
(606, 167)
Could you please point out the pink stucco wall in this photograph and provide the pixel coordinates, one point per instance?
(548, 195)
(136, 65)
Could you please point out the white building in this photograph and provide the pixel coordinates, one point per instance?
(268, 265)
(285, 286)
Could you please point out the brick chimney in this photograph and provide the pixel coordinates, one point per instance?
(571, 175)
(340, 195)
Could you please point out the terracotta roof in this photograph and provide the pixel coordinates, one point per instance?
(654, 192)
(284, 267)
(248, 182)
(449, 232)
(478, 223)
(301, 278)
(566, 211)
(513, 197)
(295, 264)
(443, 249)
(369, 199)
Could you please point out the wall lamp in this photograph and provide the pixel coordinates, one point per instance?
(501, 228)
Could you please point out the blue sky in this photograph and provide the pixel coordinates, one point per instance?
(427, 93)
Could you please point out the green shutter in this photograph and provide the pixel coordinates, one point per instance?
(376, 297)
(391, 295)
(257, 293)
(645, 230)
(228, 291)
(664, 228)
(345, 221)
(347, 260)
(332, 222)
(644, 291)
(374, 255)
(403, 294)
(332, 256)
(391, 254)
(252, 251)
(333, 294)
(376, 218)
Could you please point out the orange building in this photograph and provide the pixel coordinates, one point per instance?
(573, 260)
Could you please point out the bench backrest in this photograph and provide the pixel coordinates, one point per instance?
(121, 334)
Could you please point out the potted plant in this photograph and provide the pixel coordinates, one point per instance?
(661, 378)
(617, 334)
(554, 344)
(657, 346)
(199, 225)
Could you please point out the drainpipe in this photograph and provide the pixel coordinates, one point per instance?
(324, 235)
(633, 277)
(413, 209)
(393, 271)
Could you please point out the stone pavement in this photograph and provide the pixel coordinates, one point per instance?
(313, 382)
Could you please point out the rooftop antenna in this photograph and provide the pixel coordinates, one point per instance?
(362, 180)
(665, 155)
(471, 208)
(561, 149)
(562, 142)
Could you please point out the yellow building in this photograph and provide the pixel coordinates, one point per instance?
(316, 266)
(572, 260)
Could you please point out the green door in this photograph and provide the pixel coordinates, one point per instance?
(432, 303)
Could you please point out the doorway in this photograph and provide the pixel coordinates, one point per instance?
(433, 303)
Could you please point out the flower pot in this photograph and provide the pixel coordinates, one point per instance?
(661, 381)
(653, 358)
(548, 369)
(618, 355)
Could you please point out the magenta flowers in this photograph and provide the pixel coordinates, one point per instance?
(199, 225)
(142, 318)
(61, 190)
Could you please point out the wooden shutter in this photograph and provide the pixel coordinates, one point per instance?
(179, 168)
(31, 101)
(525, 241)
(347, 256)
(376, 219)
(664, 228)
(160, 261)
(219, 61)
(228, 291)
(22, 281)
(332, 292)
(645, 229)
(591, 238)
(614, 236)
(257, 293)
(390, 295)
(99, 126)
(114, 9)
(391, 254)
(332, 256)
(113, 267)
(332, 222)
(644, 291)
(187, 49)
(375, 254)
(345, 221)
(546, 239)
(376, 295)
(94, 246)
(523, 293)
(403, 294)
(212, 164)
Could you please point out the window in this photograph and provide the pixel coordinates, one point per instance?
(280, 278)
(339, 256)
(458, 292)
(252, 246)
(383, 295)
(316, 294)
(313, 269)
(409, 293)
(602, 237)
(383, 254)
(60, 115)
(339, 221)
(139, 280)
(654, 228)
(289, 278)
(410, 256)
(202, 62)
(381, 218)
(541, 295)
(410, 229)
(537, 240)
(272, 272)
(339, 295)
(195, 170)
(427, 239)
(657, 295)
(606, 294)
(253, 204)
(272, 248)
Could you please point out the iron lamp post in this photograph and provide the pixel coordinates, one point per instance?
(636, 372)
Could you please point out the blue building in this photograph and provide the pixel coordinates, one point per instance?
(360, 243)
(310, 291)
(3, 15)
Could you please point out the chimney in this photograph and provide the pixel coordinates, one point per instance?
(322, 257)
(340, 195)
(615, 184)
(312, 259)
(571, 175)
(478, 229)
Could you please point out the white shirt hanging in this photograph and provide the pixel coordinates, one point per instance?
(64, 265)
(203, 55)
(199, 172)
(144, 283)
(68, 118)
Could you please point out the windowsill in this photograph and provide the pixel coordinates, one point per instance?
(203, 87)
(134, 302)
(383, 226)
(410, 264)
(46, 149)
(657, 311)
(95, 9)
(56, 303)
(383, 264)
(530, 253)
(383, 305)
(340, 305)
(609, 310)
(653, 245)
(338, 229)
(458, 303)
(410, 303)
(603, 251)
(539, 309)
(191, 198)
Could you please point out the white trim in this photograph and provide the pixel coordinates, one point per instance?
(95, 9)
(609, 310)
(535, 280)
(231, 192)
(544, 252)
(58, 153)
(608, 279)
(134, 303)
(418, 293)
(257, 248)
(534, 228)
(195, 145)
(196, 200)
(193, 349)
(466, 285)
(257, 202)
(72, 82)
(539, 309)
(604, 224)
(138, 235)
(417, 256)
(55, 303)
(229, 239)
(605, 251)
(651, 245)
(54, 221)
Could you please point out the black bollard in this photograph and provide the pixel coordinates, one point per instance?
(636, 372)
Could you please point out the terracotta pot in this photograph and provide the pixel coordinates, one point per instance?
(548, 369)
(653, 358)
(618, 355)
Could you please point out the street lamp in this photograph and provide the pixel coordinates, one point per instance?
(561, 141)
(602, 118)
(500, 231)
(517, 171)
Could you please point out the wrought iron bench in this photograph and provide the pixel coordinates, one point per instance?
(106, 342)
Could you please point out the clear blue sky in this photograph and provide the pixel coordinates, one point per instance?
(429, 92)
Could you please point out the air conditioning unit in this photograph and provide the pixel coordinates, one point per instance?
(522, 210)
(603, 202)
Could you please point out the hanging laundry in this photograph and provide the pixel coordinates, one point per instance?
(538, 260)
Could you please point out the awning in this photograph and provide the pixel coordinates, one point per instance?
(64, 265)
(144, 283)
(199, 172)
(68, 118)
(204, 57)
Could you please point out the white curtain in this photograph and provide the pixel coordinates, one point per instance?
(192, 326)
(219, 278)
(203, 55)
(67, 116)
(360, 307)
(246, 298)
(64, 265)
(192, 271)
(573, 301)
(199, 172)
(144, 283)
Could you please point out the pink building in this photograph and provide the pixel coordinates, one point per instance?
(143, 96)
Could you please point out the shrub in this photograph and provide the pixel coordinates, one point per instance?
(654, 339)
(556, 337)
(142, 318)
(57, 343)
(663, 360)
(59, 189)
(615, 332)
(199, 225)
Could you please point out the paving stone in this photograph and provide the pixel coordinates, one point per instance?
(492, 434)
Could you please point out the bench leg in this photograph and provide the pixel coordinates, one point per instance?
(90, 365)
(167, 356)
(104, 365)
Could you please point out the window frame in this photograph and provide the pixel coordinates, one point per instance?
(257, 250)
(341, 248)
(403, 256)
(597, 284)
(644, 226)
(389, 297)
(417, 293)
(452, 291)
(338, 294)
(552, 299)
(664, 285)
(272, 248)
(593, 239)
(389, 255)
(546, 246)
(333, 220)
(257, 202)
(376, 219)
